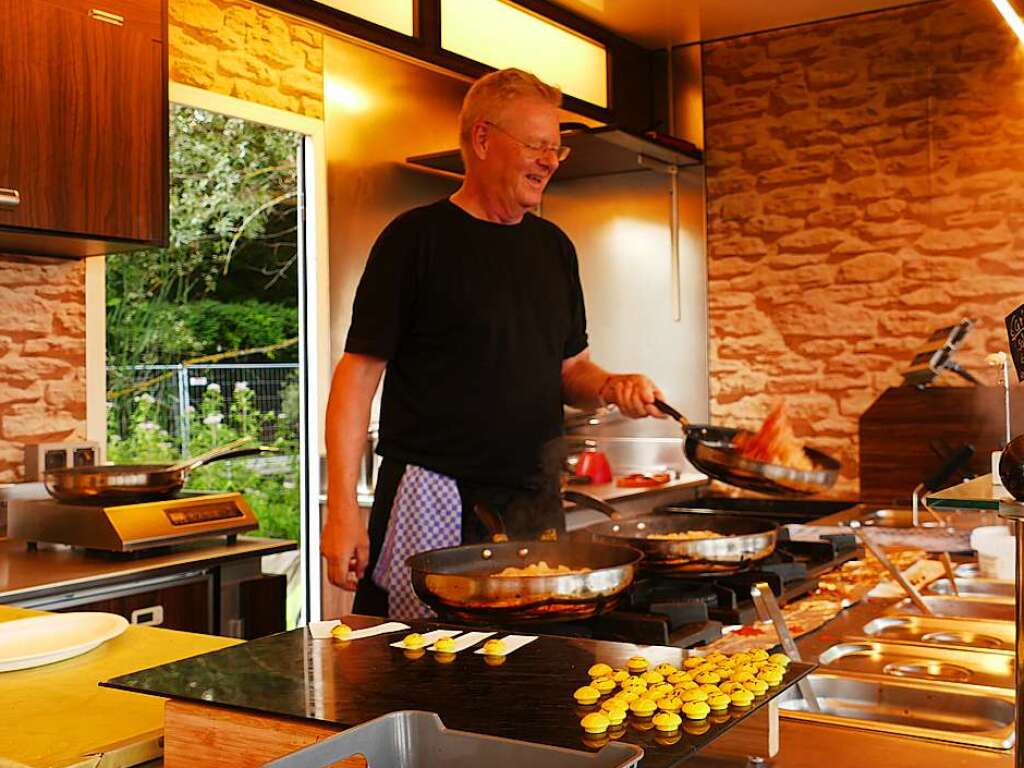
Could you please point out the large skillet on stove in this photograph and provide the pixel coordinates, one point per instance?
(458, 582)
(712, 451)
(741, 541)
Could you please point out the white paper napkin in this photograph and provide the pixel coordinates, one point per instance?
(467, 640)
(321, 630)
(430, 637)
(513, 643)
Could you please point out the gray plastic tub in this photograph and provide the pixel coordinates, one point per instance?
(411, 739)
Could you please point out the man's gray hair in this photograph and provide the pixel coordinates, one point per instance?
(492, 93)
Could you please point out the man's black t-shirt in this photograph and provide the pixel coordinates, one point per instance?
(474, 319)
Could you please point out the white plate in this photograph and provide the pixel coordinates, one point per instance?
(39, 640)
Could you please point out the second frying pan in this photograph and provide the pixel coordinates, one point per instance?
(712, 450)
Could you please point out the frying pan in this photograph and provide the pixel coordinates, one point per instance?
(741, 542)
(458, 582)
(712, 451)
(128, 483)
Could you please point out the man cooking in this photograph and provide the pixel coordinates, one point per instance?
(473, 305)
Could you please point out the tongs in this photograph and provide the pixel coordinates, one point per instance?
(767, 608)
(896, 573)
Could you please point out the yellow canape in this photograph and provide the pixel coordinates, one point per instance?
(636, 664)
(693, 694)
(756, 687)
(595, 722)
(719, 701)
(600, 670)
(667, 721)
(444, 645)
(414, 640)
(587, 695)
(616, 715)
(643, 707)
(670, 704)
(494, 647)
(741, 698)
(341, 631)
(696, 710)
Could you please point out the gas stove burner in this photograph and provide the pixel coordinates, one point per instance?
(660, 609)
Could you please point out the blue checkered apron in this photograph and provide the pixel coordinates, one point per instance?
(426, 514)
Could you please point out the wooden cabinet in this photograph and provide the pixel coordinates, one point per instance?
(83, 127)
(186, 606)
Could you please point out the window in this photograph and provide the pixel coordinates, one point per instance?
(501, 35)
(393, 14)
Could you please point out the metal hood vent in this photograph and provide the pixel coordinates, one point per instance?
(595, 152)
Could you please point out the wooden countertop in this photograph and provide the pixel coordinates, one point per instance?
(57, 716)
(56, 568)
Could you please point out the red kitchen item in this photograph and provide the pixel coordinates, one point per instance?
(594, 464)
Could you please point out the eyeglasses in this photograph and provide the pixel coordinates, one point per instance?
(560, 151)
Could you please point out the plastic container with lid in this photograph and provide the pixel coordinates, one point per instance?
(997, 551)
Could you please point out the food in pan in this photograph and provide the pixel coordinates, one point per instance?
(538, 569)
(684, 536)
(696, 710)
(341, 631)
(667, 721)
(595, 722)
(587, 695)
(774, 443)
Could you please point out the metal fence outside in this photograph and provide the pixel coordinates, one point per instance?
(177, 389)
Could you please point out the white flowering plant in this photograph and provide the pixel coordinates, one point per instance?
(270, 484)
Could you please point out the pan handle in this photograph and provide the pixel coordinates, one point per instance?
(202, 460)
(589, 502)
(668, 410)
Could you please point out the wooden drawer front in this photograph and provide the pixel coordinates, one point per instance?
(185, 607)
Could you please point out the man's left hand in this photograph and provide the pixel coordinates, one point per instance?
(634, 394)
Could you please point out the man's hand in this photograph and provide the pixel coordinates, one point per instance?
(346, 547)
(634, 394)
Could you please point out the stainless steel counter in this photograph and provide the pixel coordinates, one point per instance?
(813, 745)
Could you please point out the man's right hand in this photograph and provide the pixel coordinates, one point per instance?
(345, 545)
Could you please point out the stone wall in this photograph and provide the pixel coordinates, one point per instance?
(249, 52)
(865, 187)
(42, 355)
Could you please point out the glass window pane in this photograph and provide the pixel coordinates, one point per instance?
(393, 14)
(503, 35)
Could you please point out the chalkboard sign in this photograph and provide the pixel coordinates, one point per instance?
(1015, 329)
